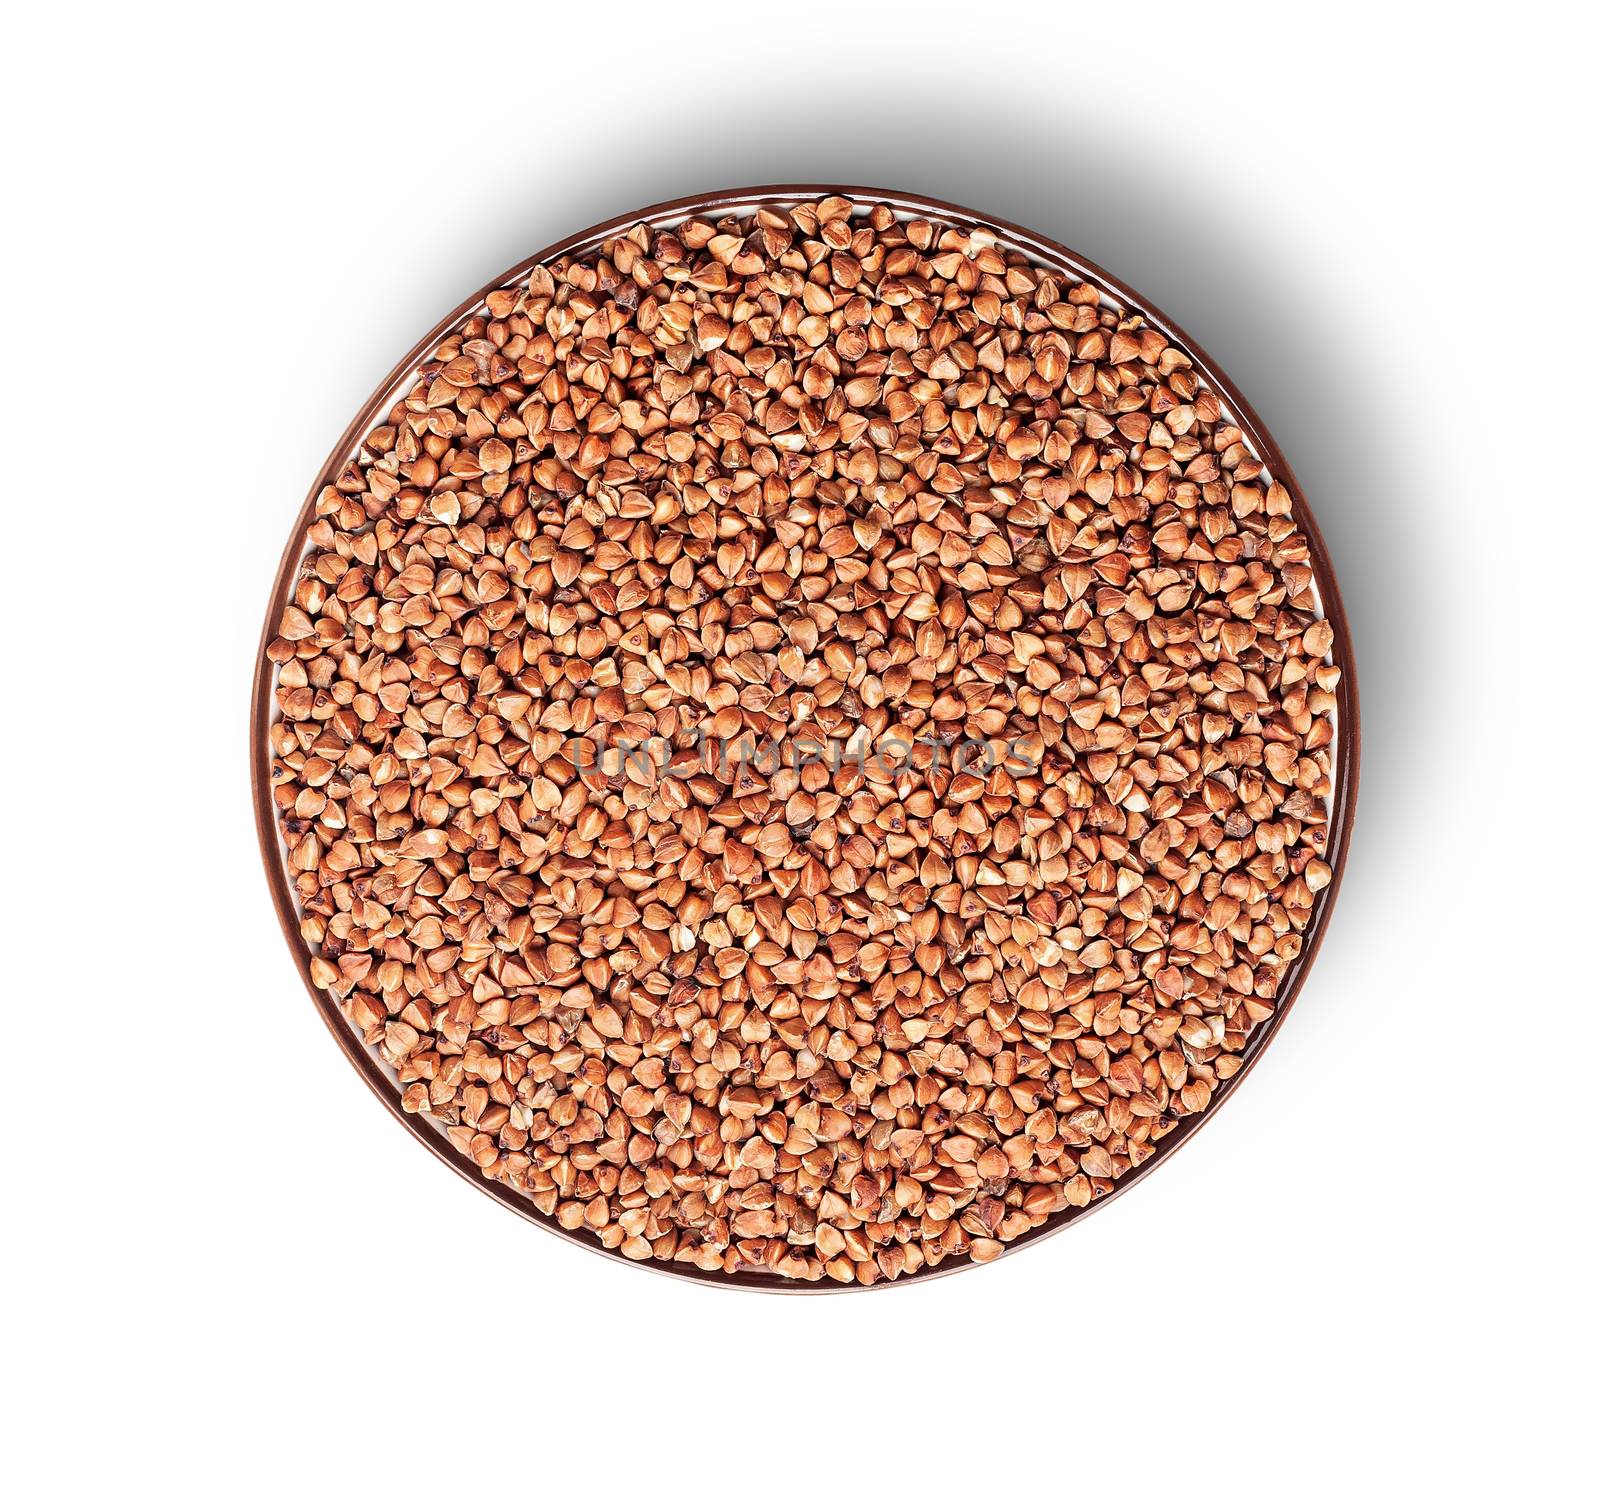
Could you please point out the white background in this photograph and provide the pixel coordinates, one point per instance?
(232, 1276)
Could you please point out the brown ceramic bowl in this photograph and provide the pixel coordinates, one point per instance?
(1047, 253)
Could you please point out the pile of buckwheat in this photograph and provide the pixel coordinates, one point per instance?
(806, 742)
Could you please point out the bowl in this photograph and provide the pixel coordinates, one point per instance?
(380, 1078)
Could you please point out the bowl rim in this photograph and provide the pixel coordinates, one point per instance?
(1041, 250)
